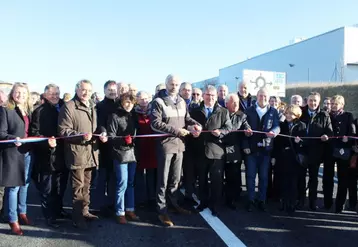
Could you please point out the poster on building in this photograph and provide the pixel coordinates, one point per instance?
(275, 82)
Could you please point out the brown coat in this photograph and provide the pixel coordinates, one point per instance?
(74, 119)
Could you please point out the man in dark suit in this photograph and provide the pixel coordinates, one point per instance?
(318, 124)
(215, 119)
(49, 171)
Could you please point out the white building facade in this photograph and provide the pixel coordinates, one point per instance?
(329, 57)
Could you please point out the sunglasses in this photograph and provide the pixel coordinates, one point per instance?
(197, 94)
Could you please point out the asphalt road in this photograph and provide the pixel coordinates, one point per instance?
(273, 228)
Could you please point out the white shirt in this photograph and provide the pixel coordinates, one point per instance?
(261, 111)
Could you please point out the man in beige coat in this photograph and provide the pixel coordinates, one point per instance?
(77, 122)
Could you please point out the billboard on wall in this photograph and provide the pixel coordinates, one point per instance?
(275, 82)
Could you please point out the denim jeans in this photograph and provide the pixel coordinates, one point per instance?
(125, 174)
(17, 196)
(257, 162)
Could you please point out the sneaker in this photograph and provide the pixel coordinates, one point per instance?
(164, 218)
(121, 219)
(130, 215)
(250, 206)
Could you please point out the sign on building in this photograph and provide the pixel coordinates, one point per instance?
(275, 82)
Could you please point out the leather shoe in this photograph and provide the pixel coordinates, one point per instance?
(90, 216)
(201, 207)
(24, 220)
(130, 215)
(80, 224)
(250, 206)
(16, 229)
(231, 205)
(181, 210)
(214, 212)
(121, 219)
(52, 223)
(164, 218)
(64, 215)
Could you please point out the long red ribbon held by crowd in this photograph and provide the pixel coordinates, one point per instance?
(39, 139)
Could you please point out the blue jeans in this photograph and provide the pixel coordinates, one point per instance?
(17, 196)
(124, 198)
(257, 162)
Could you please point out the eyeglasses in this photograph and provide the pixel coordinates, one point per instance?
(197, 94)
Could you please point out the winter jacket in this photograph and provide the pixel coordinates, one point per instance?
(169, 117)
(45, 123)
(250, 102)
(12, 159)
(317, 125)
(121, 123)
(233, 140)
(269, 122)
(105, 108)
(342, 125)
(76, 118)
(145, 148)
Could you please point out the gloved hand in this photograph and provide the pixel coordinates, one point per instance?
(128, 140)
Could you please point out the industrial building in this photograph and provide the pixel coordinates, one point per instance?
(328, 57)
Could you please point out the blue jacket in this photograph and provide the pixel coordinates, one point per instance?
(269, 122)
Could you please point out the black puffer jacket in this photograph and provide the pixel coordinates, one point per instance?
(121, 123)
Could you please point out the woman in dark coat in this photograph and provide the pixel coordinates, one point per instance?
(121, 123)
(341, 150)
(15, 169)
(146, 175)
(288, 151)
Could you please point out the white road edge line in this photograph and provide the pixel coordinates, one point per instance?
(219, 227)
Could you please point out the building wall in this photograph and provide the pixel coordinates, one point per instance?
(318, 59)
(351, 54)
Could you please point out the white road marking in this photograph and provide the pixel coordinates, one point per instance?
(219, 227)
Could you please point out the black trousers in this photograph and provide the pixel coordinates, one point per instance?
(347, 179)
(52, 187)
(214, 168)
(190, 171)
(233, 181)
(313, 169)
(289, 171)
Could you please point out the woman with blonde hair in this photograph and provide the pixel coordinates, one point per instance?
(15, 167)
(290, 152)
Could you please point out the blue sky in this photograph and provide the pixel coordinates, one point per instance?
(142, 42)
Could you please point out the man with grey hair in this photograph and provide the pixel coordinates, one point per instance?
(296, 100)
(169, 115)
(185, 92)
(246, 100)
(78, 122)
(122, 88)
(261, 117)
(233, 147)
(49, 172)
(217, 124)
(223, 90)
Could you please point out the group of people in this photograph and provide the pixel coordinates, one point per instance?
(200, 140)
